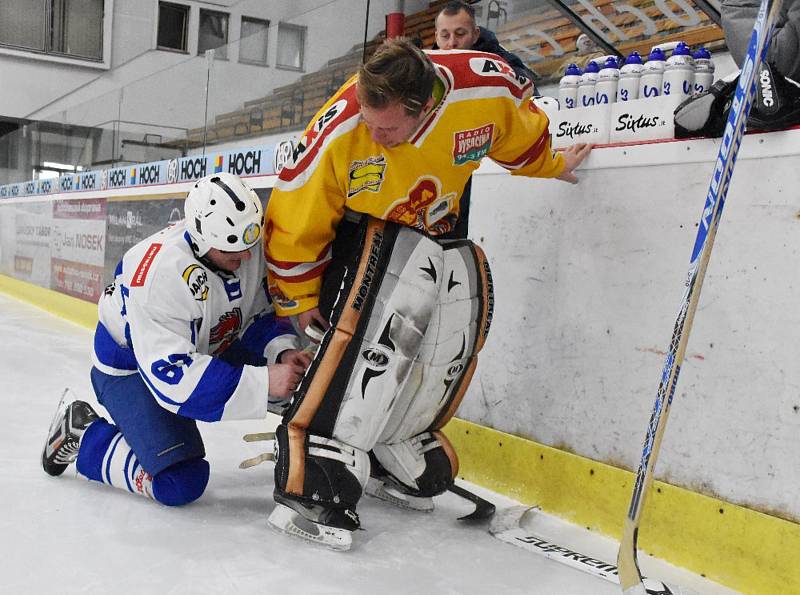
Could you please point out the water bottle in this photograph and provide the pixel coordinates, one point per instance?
(629, 75)
(652, 75)
(585, 96)
(568, 87)
(703, 70)
(679, 73)
(605, 90)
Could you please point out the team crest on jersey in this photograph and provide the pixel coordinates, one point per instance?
(225, 331)
(366, 175)
(425, 207)
(196, 278)
(472, 145)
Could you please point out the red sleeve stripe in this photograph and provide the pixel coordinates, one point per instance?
(299, 271)
(529, 156)
(311, 273)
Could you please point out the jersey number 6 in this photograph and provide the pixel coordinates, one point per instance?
(171, 371)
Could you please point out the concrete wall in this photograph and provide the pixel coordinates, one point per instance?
(167, 88)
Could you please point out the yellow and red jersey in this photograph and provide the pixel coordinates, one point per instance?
(482, 110)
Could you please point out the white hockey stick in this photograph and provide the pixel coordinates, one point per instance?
(509, 526)
(630, 576)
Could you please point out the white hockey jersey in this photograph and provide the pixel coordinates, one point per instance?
(167, 315)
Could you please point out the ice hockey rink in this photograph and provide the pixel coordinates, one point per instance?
(66, 535)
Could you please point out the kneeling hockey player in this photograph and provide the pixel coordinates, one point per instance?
(186, 332)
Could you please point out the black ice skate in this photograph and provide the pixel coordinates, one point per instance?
(776, 106)
(777, 103)
(332, 527)
(63, 439)
(383, 486)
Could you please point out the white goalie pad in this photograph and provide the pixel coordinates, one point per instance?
(394, 336)
(445, 362)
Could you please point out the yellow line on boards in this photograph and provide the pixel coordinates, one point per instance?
(740, 548)
(73, 309)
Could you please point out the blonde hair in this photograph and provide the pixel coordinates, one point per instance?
(398, 71)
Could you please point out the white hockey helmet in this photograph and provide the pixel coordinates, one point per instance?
(223, 213)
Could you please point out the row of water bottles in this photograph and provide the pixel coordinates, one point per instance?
(682, 74)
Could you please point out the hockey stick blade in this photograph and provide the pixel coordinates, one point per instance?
(630, 576)
(483, 508)
(509, 526)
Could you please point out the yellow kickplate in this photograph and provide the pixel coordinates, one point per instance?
(64, 306)
(746, 550)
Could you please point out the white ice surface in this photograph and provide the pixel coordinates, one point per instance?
(67, 535)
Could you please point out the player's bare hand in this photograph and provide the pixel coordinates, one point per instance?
(284, 379)
(296, 357)
(573, 157)
(313, 324)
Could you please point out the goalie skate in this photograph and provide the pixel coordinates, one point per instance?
(330, 527)
(378, 488)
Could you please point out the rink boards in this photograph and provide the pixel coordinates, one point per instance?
(587, 281)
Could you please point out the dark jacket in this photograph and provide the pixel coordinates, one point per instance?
(738, 17)
(487, 42)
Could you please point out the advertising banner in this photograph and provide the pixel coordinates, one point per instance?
(25, 236)
(78, 247)
(250, 161)
(131, 221)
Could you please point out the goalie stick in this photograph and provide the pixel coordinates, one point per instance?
(483, 508)
(630, 576)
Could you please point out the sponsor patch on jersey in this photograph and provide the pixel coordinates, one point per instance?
(225, 331)
(309, 139)
(366, 175)
(196, 280)
(472, 145)
(490, 67)
(140, 275)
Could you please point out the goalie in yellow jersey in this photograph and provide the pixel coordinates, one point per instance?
(357, 248)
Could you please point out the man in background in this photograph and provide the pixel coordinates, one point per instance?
(456, 29)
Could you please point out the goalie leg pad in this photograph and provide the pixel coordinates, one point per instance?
(318, 471)
(381, 312)
(447, 359)
(422, 466)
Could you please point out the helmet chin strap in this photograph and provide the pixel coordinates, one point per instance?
(203, 258)
(196, 244)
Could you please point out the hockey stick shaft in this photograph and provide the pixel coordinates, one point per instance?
(630, 576)
(511, 527)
